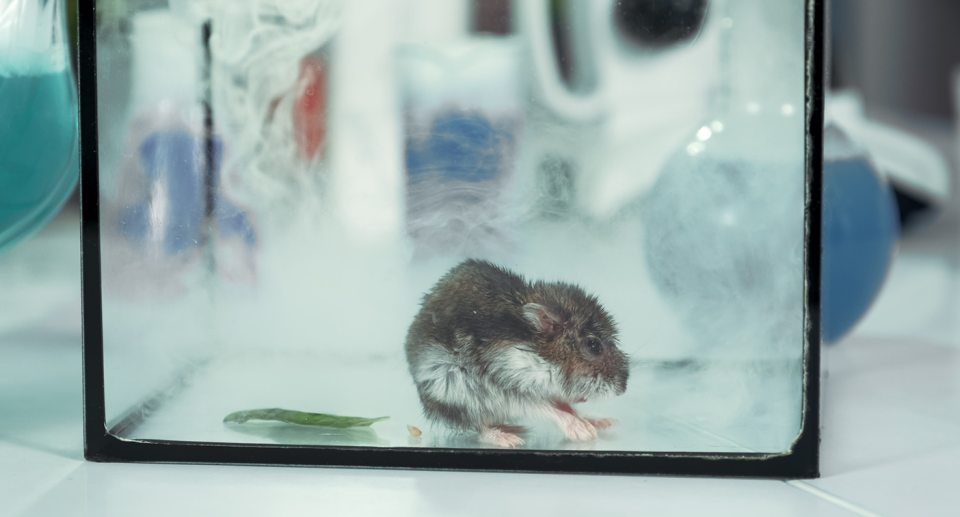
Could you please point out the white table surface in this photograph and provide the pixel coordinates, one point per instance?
(890, 444)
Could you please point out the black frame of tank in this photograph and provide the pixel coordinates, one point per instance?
(102, 445)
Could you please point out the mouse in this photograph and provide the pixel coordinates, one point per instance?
(488, 348)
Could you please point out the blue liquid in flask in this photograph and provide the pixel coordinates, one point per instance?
(38, 143)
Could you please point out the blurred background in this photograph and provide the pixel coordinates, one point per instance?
(899, 61)
(902, 59)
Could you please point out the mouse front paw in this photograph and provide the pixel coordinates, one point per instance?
(497, 436)
(602, 423)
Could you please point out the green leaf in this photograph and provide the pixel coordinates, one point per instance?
(301, 418)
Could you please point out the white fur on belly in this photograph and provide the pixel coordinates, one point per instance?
(517, 383)
(520, 369)
(440, 373)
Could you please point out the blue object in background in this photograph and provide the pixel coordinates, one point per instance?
(860, 230)
(455, 167)
(174, 160)
(460, 146)
(714, 235)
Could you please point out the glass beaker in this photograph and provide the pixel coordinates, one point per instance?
(38, 117)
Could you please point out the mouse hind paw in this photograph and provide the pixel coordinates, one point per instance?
(578, 429)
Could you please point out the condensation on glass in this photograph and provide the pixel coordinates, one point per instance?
(281, 182)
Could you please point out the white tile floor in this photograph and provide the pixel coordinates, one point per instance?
(891, 427)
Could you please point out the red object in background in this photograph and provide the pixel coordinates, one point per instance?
(310, 108)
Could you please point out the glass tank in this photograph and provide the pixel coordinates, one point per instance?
(533, 224)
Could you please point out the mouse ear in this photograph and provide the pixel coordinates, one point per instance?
(542, 319)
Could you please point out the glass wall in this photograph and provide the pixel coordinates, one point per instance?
(544, 224)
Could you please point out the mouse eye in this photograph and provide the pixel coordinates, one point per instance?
(594, 346)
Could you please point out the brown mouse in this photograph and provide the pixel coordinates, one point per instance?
(489, 348)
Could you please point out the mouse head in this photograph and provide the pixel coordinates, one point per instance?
(573, 332)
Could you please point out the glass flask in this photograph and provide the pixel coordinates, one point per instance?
(38, 117)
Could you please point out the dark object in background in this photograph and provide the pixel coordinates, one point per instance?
(898, 54)
(916, 210)
(659, 23)
(492, 16)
